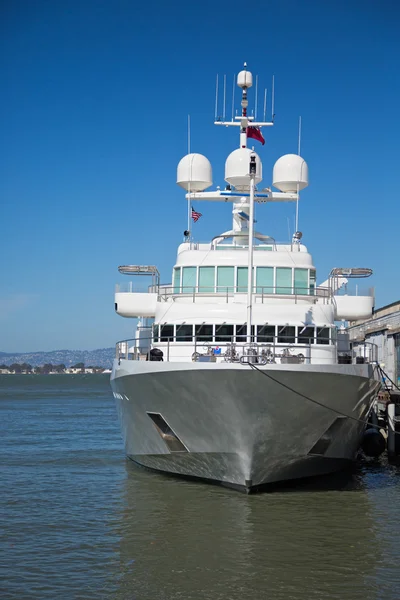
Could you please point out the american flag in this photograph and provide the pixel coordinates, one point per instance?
(196, 215)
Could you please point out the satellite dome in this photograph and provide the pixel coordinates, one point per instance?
(290, 172)
(194, 172)
(245, 79)
(237, 168)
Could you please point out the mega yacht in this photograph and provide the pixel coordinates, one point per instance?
(240, 371)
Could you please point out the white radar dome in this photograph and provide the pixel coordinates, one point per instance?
(237, 168)
(245, 79)
(289, 172)
(194, 172)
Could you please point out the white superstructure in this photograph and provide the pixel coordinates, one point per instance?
(242, 298)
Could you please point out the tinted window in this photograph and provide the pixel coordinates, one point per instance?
(265, 280)
(188, 279)
(177, 280)
(265, 333)
(206, 279)
(301, 281)
(223, 333)
(322, 335)
(225, 279)
(204, 333)
(241, 333)
(283, 280)
(286, 335)
(305, 335)
(167, 333)
(313, 276)
(184, 333)
(241, 279)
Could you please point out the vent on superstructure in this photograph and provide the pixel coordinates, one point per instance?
(322, 445)
(172, 441)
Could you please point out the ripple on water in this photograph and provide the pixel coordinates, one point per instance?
(83, 522)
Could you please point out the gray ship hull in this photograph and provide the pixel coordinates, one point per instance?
(230, 424)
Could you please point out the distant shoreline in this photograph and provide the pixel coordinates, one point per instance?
(105, 372)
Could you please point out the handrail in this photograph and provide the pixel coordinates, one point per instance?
(275, 348)
(259, 291)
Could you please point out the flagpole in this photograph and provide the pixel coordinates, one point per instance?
(190, 176)
(252, 169)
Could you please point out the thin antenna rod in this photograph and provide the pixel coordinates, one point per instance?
(265, 104)
(216, 100)
(299, 142)
(256, 100)
(233, 94)
(223, 116)
(273, 97)
(298, 191)
(188, 134)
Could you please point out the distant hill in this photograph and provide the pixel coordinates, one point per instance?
(102, 357)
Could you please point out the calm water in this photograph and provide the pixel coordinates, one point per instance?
(77, 520)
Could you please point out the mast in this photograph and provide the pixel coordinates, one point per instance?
(245, 80)
(252, 170)
(243, 172)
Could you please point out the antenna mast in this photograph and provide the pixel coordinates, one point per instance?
(252, 172)
(216, 100)
(233, 95)
(223, 114)
(273, 99)
(244, 81)
(298, 192)
(265, 104)
(256, 99)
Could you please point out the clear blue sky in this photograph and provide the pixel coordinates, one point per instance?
(94, 103)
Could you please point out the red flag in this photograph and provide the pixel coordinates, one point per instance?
(255, 132)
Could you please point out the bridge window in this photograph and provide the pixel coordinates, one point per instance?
(313, 277)
(283, 280)
(167, 333)
(265, 280)
(177, 280)
(184, 333)
(265, 333)
(301, 281)
(204, 333)
(241, 333)
(286, 334)
(322, 335)
(241, 285)
(305, 335)
(188, 279)
(225, 279)
(206, 279)
(223, 333)
(155, 332)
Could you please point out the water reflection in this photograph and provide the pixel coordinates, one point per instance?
(186, 540)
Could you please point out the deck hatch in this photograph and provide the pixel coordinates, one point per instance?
(322, 445)
(172, 441)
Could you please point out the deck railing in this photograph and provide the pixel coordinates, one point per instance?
(167, 291)
(260, 292)
(272, 350)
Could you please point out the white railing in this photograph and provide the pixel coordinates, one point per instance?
(259, 292)
(131, 288)
(355, 291)
(276, 350)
